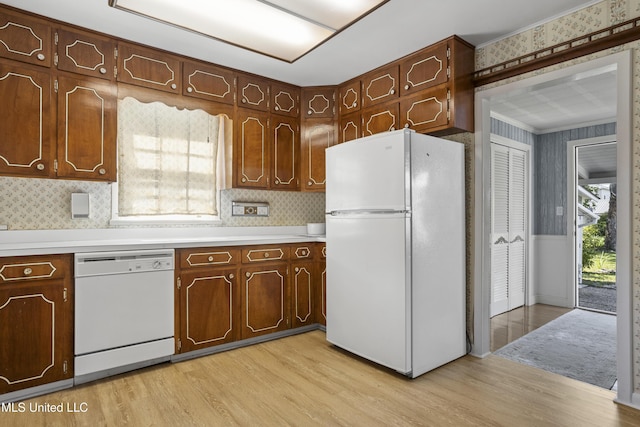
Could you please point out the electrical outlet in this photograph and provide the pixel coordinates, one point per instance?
(249, 209)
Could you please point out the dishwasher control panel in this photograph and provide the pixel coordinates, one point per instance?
(100, 263)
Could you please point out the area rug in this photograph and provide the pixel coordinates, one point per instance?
(579, 344)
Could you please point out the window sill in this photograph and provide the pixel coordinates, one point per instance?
(168, 221)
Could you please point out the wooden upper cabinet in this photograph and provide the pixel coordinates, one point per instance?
(318, 102)
(285, 99)
(84, 53)
(424, 69)
(26, 122)
(149, 68)
(318, 136)
(427, 111)
(350, 96)
(380, 86)
(208, 82)
(285, 151)
(383, 118)
(87, 129)
(251, 152)
(25, 39)
(350, 127)
(253, 92)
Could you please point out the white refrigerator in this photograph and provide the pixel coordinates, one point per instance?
(395, 225)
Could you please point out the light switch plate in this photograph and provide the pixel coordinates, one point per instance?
(249, 209)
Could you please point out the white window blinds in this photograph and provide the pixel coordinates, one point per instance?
(168, 159)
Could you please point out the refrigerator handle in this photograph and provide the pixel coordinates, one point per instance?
(369, 211)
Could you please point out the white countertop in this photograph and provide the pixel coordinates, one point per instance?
(35, 242)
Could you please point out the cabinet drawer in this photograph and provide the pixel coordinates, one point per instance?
(201, 257)
(47, 267)
(302, 251)
(265, 253)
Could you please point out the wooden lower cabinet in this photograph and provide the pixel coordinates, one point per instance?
(266, 299)
(303, 280)
(36, 321)
(227, 294)
(209, 308)
(321, 288)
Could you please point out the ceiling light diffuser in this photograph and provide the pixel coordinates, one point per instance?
(283, 29)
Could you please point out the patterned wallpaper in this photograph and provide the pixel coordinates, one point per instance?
(45, 204)
(597, 16)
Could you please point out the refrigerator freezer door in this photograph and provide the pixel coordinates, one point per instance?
(368, 173)
(368, 290)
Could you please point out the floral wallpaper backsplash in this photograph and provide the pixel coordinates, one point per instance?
(45, 204)
(596, 16)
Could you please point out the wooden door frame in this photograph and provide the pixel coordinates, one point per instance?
(481, 259)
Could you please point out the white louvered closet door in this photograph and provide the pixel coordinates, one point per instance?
(508, 228)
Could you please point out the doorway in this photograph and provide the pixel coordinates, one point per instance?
(592, 187)
(563, 245)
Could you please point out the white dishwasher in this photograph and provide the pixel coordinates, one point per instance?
(123, 310)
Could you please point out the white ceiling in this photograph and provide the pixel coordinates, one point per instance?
(396, 29)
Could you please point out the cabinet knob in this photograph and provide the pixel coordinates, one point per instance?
(244, 100)
(297, 269)
(277, 181)
(392, 129)
(189, 89)
(174, 86)
(355, 104)
(309, 112)
(393, 91)
(27, 271)
(40, 167)
(244, 179)
(102, 171)
(304, 253)
(406, 87)
(210, 258)
(231, 276)
(40, 56)
(266, 254)
(277, 108)
(247, 274)
(309, 183)
(103, 70)
(406, 125)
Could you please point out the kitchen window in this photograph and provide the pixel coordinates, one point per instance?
(170, 164)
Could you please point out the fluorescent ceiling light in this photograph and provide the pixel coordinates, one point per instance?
(283, 29)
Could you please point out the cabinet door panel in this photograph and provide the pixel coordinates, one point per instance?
(380, 86)
(318, 102)
(26, 147)
(319, 135)
(25, 39)
(148, 68)
(210, 308)
(86, 129)
(285, 150)
(428, 111)
(251, 156)
(266, 300)
(253, 92)
(208, 82)
(85, 54)
(380, 119)
(303, 279)
(350, 95)
(425, 69)
(285, 99)
(350, 127)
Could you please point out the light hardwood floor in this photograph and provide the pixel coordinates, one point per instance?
(304, 381)
(514, 324)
